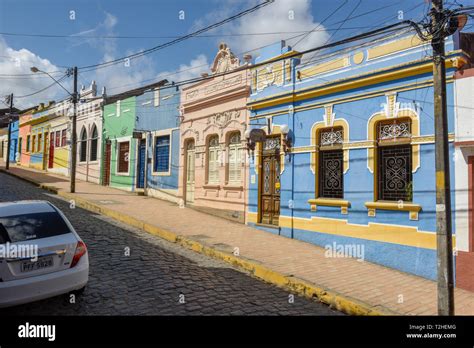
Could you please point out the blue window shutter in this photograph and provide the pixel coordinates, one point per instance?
(162, 153)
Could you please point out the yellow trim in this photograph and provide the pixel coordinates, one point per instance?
(402, 206)
(381, 116)
(394, 46)
(412, 208)
(361, 96)
(332, 65)
(382, 76)
(330, 202)
(316, 128)
(385, 233)
(358, 57)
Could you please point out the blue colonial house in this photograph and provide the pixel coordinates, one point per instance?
(348, 156)
(14, 143)
(157, 119)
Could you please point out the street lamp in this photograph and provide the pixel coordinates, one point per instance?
(73, 137)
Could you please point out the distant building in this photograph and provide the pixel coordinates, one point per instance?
(464, 177)
(89, 135)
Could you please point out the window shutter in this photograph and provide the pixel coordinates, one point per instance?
(123, 157)
(63, 137)
(94, 144)
(234, 163)
(162, 154)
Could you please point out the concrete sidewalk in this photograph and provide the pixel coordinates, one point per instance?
(349, 285)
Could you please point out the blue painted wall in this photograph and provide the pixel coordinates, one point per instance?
(164, 117)
(14, 141)
(298, 181)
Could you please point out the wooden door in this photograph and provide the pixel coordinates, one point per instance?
(270, 182)
(190, 160)
(51, 150)
(141, 164)
(45, 149)
(107, 158)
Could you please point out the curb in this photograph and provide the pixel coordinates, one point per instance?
(299, 286)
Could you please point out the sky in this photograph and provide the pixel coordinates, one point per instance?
(94, 31)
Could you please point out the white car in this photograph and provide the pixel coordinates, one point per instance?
(41, 255)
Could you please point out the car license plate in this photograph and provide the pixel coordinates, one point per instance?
(44, 262)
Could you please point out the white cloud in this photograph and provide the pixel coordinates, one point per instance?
(284, 17)
(195, 67)
(19, 62)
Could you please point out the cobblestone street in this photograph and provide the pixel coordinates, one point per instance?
(157, 276)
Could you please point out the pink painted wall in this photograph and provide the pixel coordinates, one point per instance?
(25, 130)
(215, 107)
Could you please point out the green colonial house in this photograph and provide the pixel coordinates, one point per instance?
(120, 148)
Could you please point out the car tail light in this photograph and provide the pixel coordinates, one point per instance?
(81, 249)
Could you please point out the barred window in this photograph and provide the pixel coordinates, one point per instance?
(63, 137)
(83, 146)
(39, 142)
(331, 163)
(213, 160)
(28, 139)
(235, 158)
(94, 143)
(394, 161)
(123, 153)
(162, 154)
(58, 139)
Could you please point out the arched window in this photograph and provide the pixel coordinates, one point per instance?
(94, 143)
(83, 146)
(394, 160)
(213, 160)
(235, 159)
(331, 163)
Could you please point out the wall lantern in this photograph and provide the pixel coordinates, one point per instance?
(253, 136)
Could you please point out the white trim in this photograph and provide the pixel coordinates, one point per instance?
(117, 147)
(156, 134)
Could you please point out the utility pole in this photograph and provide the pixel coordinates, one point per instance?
(443, 189)
(10, 119)
(74, 135)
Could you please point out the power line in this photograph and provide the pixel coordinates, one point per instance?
(41, 90)
(182, 38)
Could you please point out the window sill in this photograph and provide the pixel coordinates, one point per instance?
(211, 187)
(330, 202)
(412, 208)
(161, 173)
(233, 187)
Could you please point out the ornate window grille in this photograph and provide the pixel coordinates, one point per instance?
(394, 130)
(332, 136)
(272, 143)
(331, 163)
(394, 173)
(331, 174)
(394, 161)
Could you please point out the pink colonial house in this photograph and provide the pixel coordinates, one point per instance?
(214, 117)
(24, 136)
